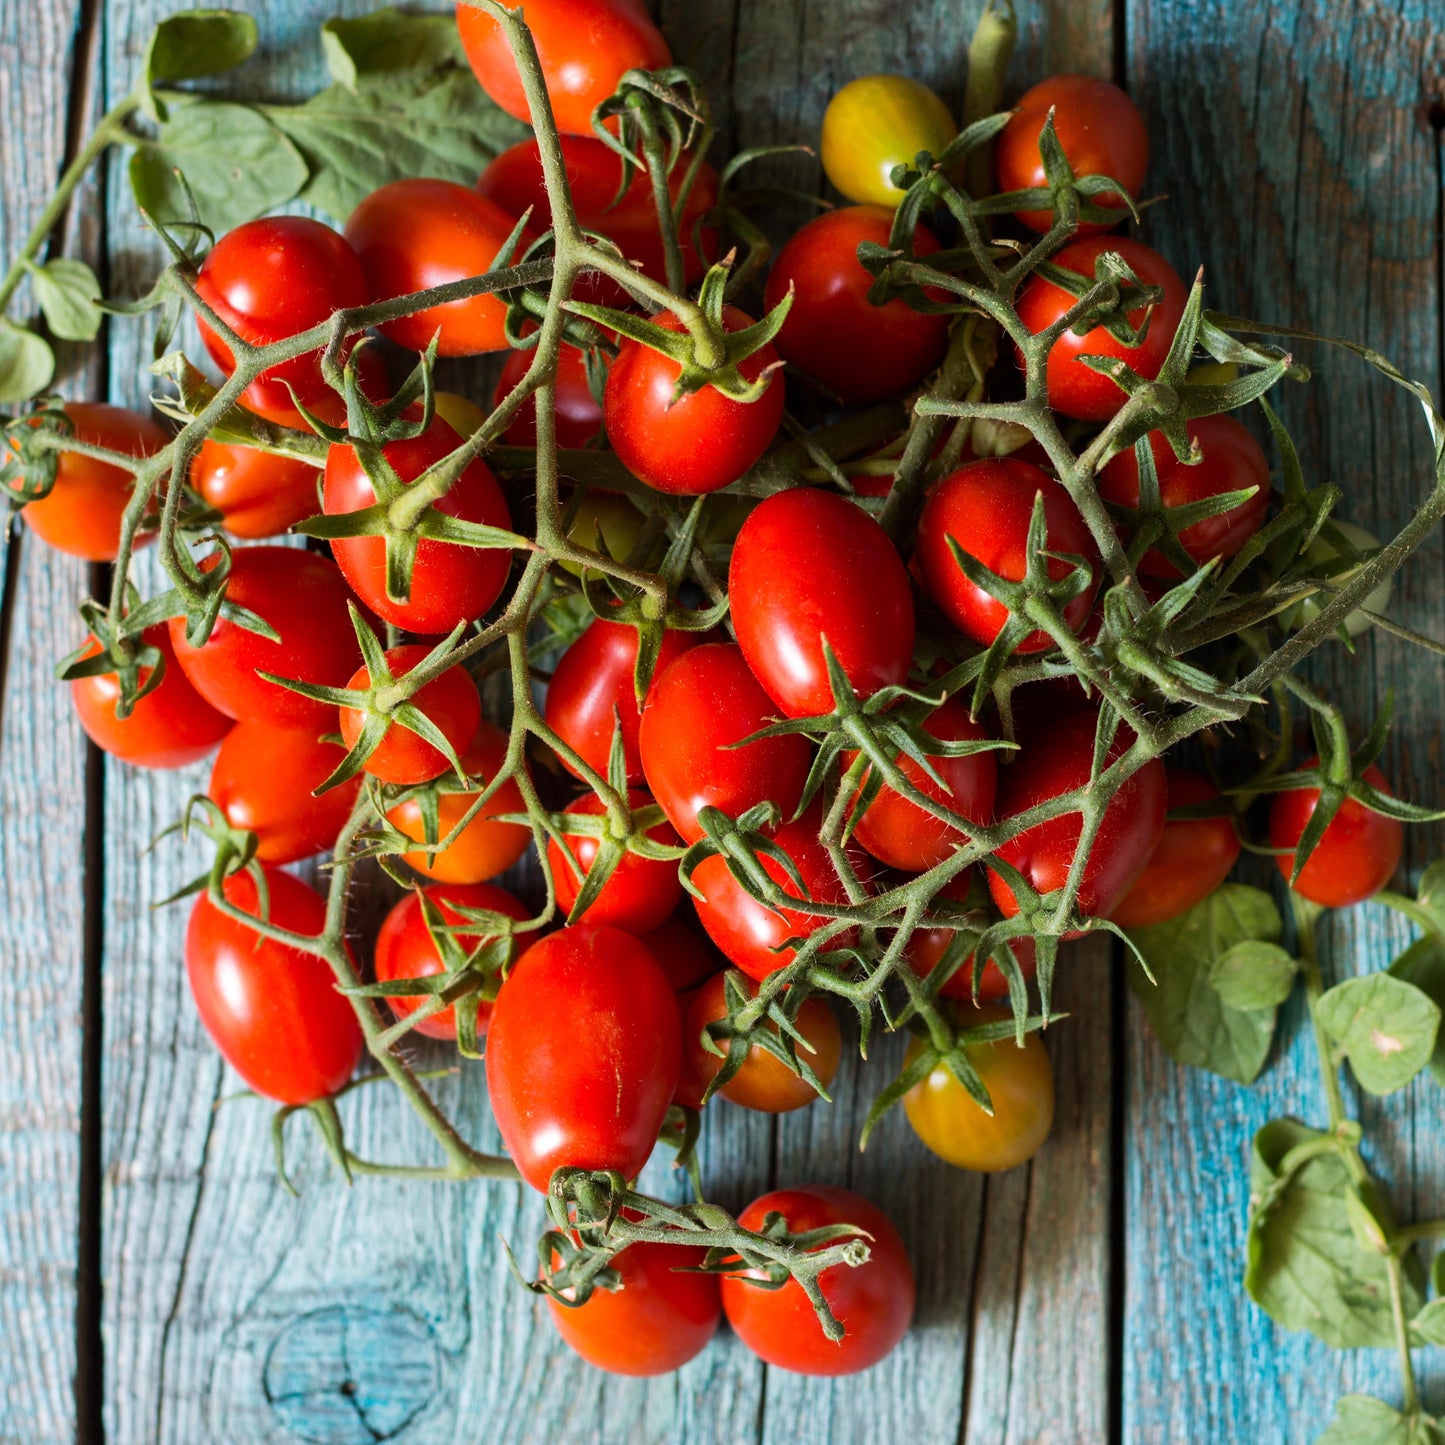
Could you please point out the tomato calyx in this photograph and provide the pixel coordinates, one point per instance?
(235, 850)
(614, 843)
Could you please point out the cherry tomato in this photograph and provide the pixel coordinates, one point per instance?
(604, 523)
(1192, 858)
(270, 279)
(450, 583)
(1073, 389)
(875, 123)
(1325, 559)
(81, 513)
(1356, 855)
(449, 701)
(683, 950)
(464, 416)
(263, 780)
(273, 1011)
(873, 1301)
(304, 598)
(578, 415)
(258, 494)
(1101, 133)
(168, 728)
(794, 583)
(583, 1053)
(704, 702)
(986, 507)
(690, 444)
(925, 950)
(406, 949)
(1020, 1084)
(859, 351)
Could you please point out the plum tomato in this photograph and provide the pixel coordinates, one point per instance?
(258, 494)
(875, 123)
(683, 951)
(578, 416)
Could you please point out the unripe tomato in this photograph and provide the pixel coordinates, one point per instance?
(875, 123)
(578, 417)
(258, 494)
(604, 523)
(1324, 556)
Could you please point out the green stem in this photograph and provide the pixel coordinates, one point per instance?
(1304, 915)
(1395, 1270)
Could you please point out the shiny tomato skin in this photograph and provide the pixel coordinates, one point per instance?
(270, 279)
(875, 123)
(583, 1053)
(168, 728)
(810, 566)
(263, 780)
(1101, 133)
(81, 513)
(273, 1011)
(595, 678)
(873, 1301)
(1357, 854)
(859, 351)
(578, 416)
(986, 507)
(405, 949)
(450, 583)
(257, 493)
(683, 951)
(1192, 858)
(304, 597)
(707, 700)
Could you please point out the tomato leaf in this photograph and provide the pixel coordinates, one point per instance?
(26, 362)
(67, 292)
(1253, 975)
(1364, 1420)
(387, 41)
(192, 44)
(1431, 892)
(1423, 965)
(1386, 1026)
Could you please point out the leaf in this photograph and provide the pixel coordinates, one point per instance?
(1431, 892)
(1386, 1026)
(1423, 964)
(26, 362)
(196, 43)
(1364, 1420)
(387, 41)
(1191, 1020)
(1253, 975)
(67, 292)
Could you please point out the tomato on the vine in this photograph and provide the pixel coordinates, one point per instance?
(577, 417)
(683, 951)
(258, 494)
(927, 947)
(878, 122)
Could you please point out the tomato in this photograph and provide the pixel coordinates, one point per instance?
(273, 1011)
(1356, 855)
(1325, 559)
(450, 583)
(583, 1053)
(875, 123)
(81, 513)
(304, 598)
(986, 507)
(1020, 1084)
(449, 701)
(1230, 461)
(898, 832)
(414, 234)
(258, 494)
(606, 523)
(485, 847)
(690, 444)
(464, 416)
(592, 692)
(859, 351)
(168, 728)
(264, 779)
(873, 1301)
(704, 702)
(794, 583)
(1056, 760)
(926, 948)
(406, 949)
(578, 417)
(1100, 131)
(657, 1318)
(1192, 858)
(1073, 389)
(270, 279)
(584, 47)
(683, 950)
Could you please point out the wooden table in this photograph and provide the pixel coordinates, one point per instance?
(1092, 1296)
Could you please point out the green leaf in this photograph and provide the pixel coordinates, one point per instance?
(1364, 1420)
(387, 41)
(1431, 892)
(1423, 964)
(1191, 1020)
(26, 362)
(1253, 975)
(196, 43)
(67, 292)
(1386, 1027)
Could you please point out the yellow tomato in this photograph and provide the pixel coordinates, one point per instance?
(463, 416)
(878, 122)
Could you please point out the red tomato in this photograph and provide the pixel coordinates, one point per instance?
(706, 701)
(1230, 461)
(1356, 855)
(257, 493)
(927, 946)
(578, 416)
(270, 279)
(694, 443)
(583, 1053)
(450, 583)
(683, 950)
(273, 1011)
(986, 507)
(794, 582)
(1057, 760)
(1101, 133)
(263, 780)
(450, 701)
(168, 728)
(873, 1302)
(405, 948)
(1192, 858)
(1073, 389)
(81, 513)
(859, 351)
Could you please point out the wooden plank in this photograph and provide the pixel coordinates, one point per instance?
(1300, 172)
